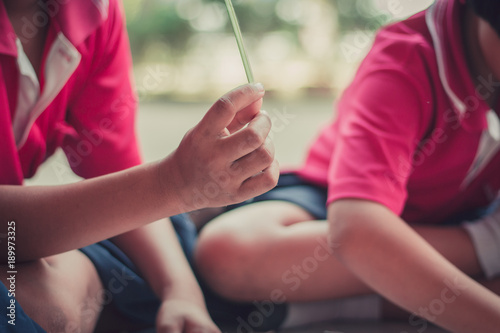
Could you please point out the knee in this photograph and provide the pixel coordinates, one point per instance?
(56, 318)
(224, 255)
(221, 248)
(40, 301)
(233, 248)
(49, 296)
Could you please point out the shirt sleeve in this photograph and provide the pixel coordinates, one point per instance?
(103, 112)
(382, 117)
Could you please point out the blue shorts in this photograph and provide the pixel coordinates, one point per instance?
(292, 188)
(312, 198)
(124, 287)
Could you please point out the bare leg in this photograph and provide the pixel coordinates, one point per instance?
(273, 248)
(60, 292)
(63, 293)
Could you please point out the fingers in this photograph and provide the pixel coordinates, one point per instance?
(261, 182)
(227, 154)
(254, 162)
(244, 116)
(206, 328)
(223, 112)
(248, 139)
(189, 324)
(190, 321)
(170, 328)
(188, 327)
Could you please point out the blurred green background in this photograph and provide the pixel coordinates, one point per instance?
(185, 49)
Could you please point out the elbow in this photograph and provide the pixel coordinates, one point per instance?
(348, 234)
(338, 230)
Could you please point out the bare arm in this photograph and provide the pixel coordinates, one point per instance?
(55, 219)
(386, 254)
(52, 220)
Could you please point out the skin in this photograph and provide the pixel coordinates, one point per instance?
(58, 286)
(371, 233)
(277, 238)
(166, 186)
(250, 253)
(33, 47)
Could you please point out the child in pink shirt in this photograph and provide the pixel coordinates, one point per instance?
(65, 82)
(414, 147)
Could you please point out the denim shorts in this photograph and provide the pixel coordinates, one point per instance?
(291, 188)
(312, 198)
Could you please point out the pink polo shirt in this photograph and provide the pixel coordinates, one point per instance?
(412, 131)
(83, 102)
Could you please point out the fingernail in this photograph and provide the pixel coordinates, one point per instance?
(259, 86)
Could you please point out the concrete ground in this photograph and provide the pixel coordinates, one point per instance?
(161, 126)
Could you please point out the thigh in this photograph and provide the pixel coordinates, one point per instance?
(261, 217)
(250, 252)
(61, 293)
(277, 241)
(292, 201)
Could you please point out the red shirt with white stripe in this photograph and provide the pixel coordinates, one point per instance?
(84, 101)
(412, 132)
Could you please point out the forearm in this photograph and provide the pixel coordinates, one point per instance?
(454, 244)
(391, 258)
(157, 253)
(54, 219)
(226, 158)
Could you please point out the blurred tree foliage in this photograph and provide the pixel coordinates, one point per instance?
(359, 14)
(152, 20)
(171, 21)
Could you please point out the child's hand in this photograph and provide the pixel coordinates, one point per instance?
(179, 316)
(221, 160)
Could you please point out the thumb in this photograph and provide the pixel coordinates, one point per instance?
(222, 113)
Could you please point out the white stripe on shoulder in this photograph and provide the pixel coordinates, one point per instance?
(434, 14)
